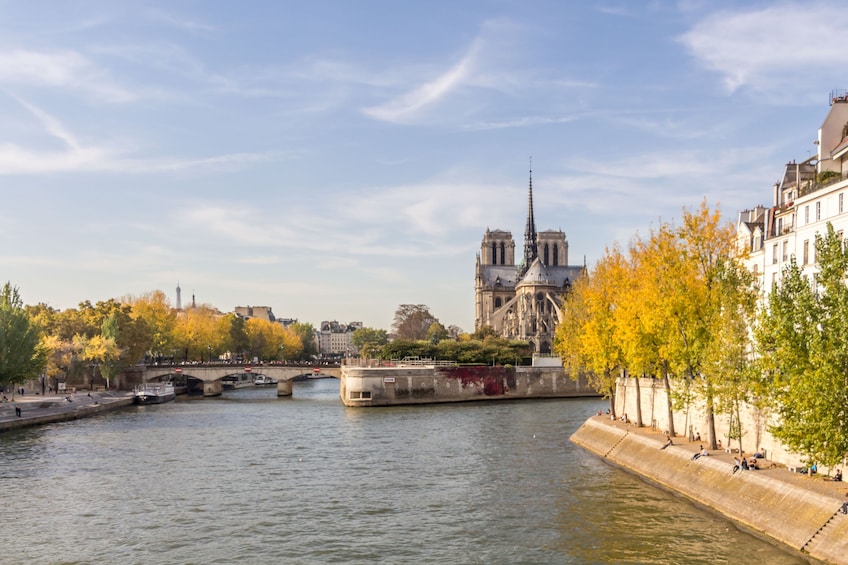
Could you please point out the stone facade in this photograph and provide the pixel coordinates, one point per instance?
(523, 301)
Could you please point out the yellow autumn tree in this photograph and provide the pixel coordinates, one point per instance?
(270, 341)
(195, 333)
(585, 337)
(154, 309)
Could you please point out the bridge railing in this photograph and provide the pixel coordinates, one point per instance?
(405, 362)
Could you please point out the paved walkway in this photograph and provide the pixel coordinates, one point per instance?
(36, 408)
(774, 470)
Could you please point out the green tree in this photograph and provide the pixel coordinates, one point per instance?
(802, 346)
(369, 341)
(306, 333)
(22, 356)
(437, 332)
(401, 348)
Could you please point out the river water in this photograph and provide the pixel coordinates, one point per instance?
(251, 478)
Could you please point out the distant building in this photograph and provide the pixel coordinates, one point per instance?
(334, 339)
(523, 301)
(808, 196)
(260, 312)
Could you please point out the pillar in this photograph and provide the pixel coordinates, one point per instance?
(284, 388)
(212, 388)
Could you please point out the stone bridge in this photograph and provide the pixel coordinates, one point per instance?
(209, 376)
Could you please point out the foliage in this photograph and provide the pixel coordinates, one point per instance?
(22, 355)
(369, 341)
(306, 333)
(437, 332)
(677, 304)
(270, 341)
(586, 337)
(802, 342)
(412, 321)
(154, 311)
(499, 351)
(195, 333)
(401, 348)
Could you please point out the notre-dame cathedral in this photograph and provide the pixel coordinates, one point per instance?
(523, 301)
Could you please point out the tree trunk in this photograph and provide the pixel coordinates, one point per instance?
(612, 393)
(638, 402)
(711, 422)
(667, 384)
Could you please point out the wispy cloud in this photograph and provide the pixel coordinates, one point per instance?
(77, 156)
(180, 22)
(409, 104)
(782, 46)
(61, 69)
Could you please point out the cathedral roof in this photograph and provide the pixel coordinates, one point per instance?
(498, 275)
(540, 274)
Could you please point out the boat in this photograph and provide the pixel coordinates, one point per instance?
(154, 393)
(240, 380)
(264, 380)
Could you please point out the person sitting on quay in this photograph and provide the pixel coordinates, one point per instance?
(753, 465)
(736, 465)
(701, 452)
(837, 477)
(667, 443)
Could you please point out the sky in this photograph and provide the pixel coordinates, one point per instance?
(335, 159)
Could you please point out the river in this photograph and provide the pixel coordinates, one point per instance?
(251, 478)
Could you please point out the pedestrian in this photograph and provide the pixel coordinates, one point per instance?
(18, 411)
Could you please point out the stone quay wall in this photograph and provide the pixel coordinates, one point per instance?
(392, 386)
(689, 422)
(771, 504)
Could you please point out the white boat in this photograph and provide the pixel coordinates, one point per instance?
(240, 380)
(154, 393)
(264, 380)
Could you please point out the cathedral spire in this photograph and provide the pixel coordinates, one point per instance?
(530, 249)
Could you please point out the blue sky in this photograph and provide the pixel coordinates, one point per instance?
(334, 159)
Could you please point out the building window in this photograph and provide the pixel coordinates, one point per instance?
(503, 253)
(494, 254)
(556, 254)
(818, 211)
(806, 214)
(547, 253)
(785, 250)
(498, 302)
(774, 254)
(841, 201)
(358, 395)
(806, 252)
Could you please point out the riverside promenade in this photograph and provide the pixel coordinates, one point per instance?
(804, 513)
(37, 410)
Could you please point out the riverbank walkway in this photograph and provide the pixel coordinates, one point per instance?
(36, 409)
(776, 471)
